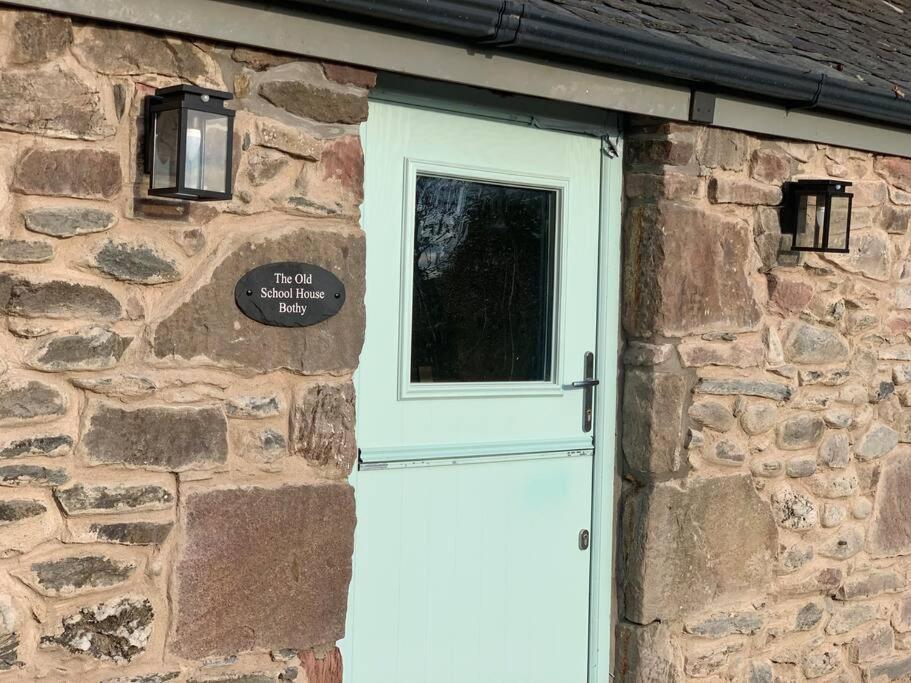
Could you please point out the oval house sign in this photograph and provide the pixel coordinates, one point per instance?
(289, 294)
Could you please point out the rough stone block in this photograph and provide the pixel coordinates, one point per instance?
(648, 653)
(208, 325)
(746, 192)
(138, 263)
(117, 630)
(871, 255)
(295, 539)
(172, 439)
(27, 519)
(350, 75)
(56, 299)
(94, 348)
(687, 549)
(747, 387)
(670, 288)
(29, 400)
(68, 221)
(652, 422)
(322, 425)
(890, 526)
(39, 36)
(83, 173)
(311, 101)
(87, 499)
(800, 431)
(25, 251)
(813, 344)
(68, 575)
(741, 353)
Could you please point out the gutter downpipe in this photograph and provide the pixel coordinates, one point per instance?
(525, 27)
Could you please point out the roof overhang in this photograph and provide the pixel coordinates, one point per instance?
(290, 29)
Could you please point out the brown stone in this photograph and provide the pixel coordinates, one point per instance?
(72, 172)
(652, 423)
(740, 353)
(322, 425)
(326, 669)
(209, 324)
(297, 540)
(56, 299)
(52, 102)
(788, 294)
(685, 550)
(890, 526)
(871, 255)
(314, 102)
(770, 165)
(350, 75)
(724, 149)
(895, 170)
(686, 272)
(674, 150)
(735, 191)
(260, 60)
(288, 139)
(647, 654)
(172, 439)
(39, 36)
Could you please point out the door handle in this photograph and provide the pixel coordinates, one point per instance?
(587, 385)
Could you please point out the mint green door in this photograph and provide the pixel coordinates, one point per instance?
(474, 490)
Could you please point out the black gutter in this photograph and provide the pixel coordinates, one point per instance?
(528, 27)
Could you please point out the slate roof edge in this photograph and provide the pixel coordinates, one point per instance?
(515, 26)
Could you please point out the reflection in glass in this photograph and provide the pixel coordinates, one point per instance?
(164, 163)
(207, 151)
(811, 214)
(839, 215)
(482, 300)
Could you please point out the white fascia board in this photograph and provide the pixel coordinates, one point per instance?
(287, 30)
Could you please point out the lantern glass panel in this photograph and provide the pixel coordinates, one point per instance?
(165, 145)
(207, 151)
(839, 215)
(811, 215)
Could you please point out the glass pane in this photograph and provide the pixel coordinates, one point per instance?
(207, 151)
(811, 213)
(482, 304)
(838, 222)
(164, 161)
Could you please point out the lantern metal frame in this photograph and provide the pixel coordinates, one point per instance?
(825, 191)
(185, 98)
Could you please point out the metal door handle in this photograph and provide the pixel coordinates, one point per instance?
(588, 386)
(586, 383)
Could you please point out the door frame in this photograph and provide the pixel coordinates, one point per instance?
(570, 118)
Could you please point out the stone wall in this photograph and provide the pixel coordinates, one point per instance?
(173, 494)
(766, 507)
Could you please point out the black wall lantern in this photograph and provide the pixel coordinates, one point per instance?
(818, 215)
(189, 135)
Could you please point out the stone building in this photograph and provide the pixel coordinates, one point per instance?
(412, 490)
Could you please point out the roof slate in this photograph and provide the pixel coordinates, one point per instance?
(865, 42)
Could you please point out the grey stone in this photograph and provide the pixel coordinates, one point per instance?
(882, 392)
(833, 515)
(808, 616)
(793, 510)
(722, 625)
(25, 251)
(93, 348)
(862, 508)
(871, 255)
(821, 662)
(795, 557)
(838, 419)
(681, 554)
(873, 645)
(813, 344)
(767, 468)
(835, 450)
(846, 543)
(82, 499)
(19, 509)
(133, 533)
(32, 475)
(83, 173)
(68, 221)
(823, 581)
(901, 374)
(29, 400)
(652, 422)
(253, 407)
(76, 574)
(758, 418)
(9, 651)
(702, 663)
(896, 669)
(729, 453)
(117, 630)
(848, 617)
(799, 432)
(58, 299)
(648, 653)
(52, 101)
(642, 353)
(833, 484)
(124, 386)
(890, 526)
(760, 672)
(314, 102)
(49, 446)
(870, 585)
(713, 415)
(172, 439)
(209, 325)
(237, 678)
(733, 387)
(876, 442)
(135, 263)
(264, 165)
(150, 678)
(829, 378)
(801, 467)
(40, 36)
